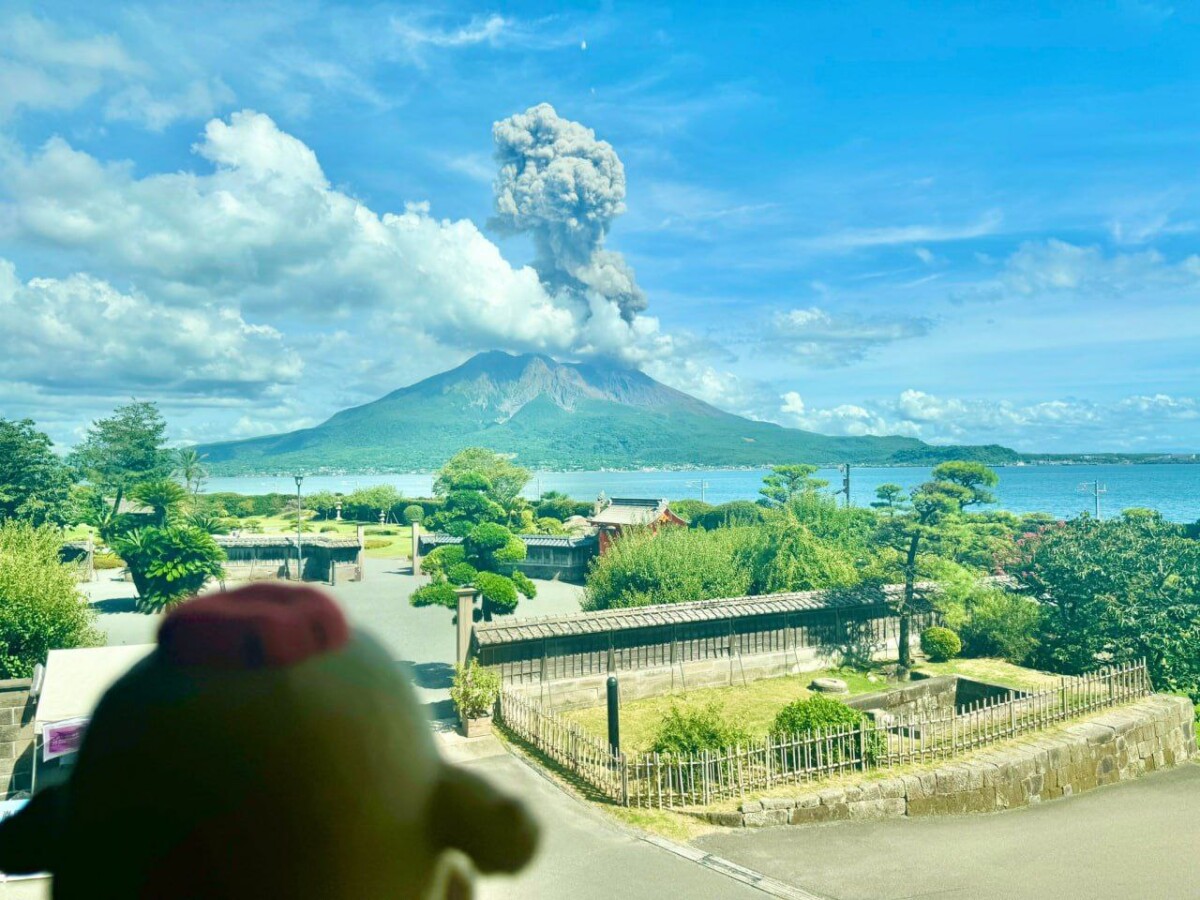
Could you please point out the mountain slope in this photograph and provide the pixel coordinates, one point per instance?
(556, 416)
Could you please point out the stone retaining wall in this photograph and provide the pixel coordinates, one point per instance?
(1124, 743)
(16, 737)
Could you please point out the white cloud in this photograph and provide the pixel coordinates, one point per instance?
(82, 335)
(197, 100)
(263, 231)
(820, 338)
(417, 31)
(41, 68)
(1056, 265)
(861, 238)
(1130, 423)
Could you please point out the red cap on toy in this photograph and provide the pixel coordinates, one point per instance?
(260, 626)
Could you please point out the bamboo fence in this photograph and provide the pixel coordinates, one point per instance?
(669, 781)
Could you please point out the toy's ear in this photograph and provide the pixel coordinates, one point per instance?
(29, 839)
(468, 814)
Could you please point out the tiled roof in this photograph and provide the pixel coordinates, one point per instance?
(505, 631)
(530, 540)
(630, 511)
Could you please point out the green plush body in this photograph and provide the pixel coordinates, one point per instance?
(313, 780)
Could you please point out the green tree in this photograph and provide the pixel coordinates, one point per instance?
(34, 483)
(367, 503)
(1116, 591)
(467, 504)
(889, 497)
(920, 524)
(505, 479)
(123, 450)
(323, 503)
(673, 566)
(169, 563)
(165, 499)
(40, 605)
(487, 559)
(189, 465)
(788, 482)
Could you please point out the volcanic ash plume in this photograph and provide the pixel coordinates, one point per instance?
(563, 187)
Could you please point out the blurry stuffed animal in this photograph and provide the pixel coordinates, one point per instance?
(264, 750)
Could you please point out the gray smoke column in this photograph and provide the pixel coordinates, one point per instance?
(563, 187)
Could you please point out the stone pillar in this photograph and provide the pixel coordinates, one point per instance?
(466, 610)
(361, 543)
(416, 547)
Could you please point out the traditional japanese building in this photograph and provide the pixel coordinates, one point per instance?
(621, 514)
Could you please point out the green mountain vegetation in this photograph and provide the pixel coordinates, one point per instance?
(554, 415)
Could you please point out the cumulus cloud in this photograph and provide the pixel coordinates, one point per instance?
(821, 338)
(563, 187)
(266, 230)
(81, 335)
(1129, 423)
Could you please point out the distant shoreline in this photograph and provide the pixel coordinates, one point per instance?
(1040, 462)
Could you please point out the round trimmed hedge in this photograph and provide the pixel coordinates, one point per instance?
(940, 644)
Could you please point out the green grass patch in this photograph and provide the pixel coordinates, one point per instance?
(752, 707)
(381, 546)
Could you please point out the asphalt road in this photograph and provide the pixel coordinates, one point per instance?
(1137, 839)
(421, 639)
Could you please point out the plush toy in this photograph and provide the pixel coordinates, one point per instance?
(263, 750)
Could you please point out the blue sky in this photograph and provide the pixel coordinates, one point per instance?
(963, 222)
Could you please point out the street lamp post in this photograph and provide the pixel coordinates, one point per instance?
(299, 551)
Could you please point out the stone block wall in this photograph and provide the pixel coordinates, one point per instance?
(16, 737)
(1120, 744)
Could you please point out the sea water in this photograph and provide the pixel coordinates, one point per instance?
(1174, 490)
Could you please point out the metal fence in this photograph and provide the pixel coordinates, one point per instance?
(667, 781)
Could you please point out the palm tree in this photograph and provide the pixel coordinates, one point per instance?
(189, 465)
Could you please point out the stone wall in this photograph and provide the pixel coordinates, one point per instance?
(1123, 743)
(16, 737)
(936, 696)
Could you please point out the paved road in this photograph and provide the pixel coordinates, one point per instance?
(423, 639)
(1138, 839)
(585, 857)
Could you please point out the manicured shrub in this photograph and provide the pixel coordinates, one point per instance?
(376, 543)
(439, 593)
(379, 530)
(694, 729)
(442, 559)
(824, 714)
(474, 690)
(498, 592)
(461, 573)
(414, 514)
(1003, 624)
(940, 644)
(812, 713)
(327, 529)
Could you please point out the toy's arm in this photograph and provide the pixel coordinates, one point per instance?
(494, 830)
(29, 839)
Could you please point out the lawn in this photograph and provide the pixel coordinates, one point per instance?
(754, 706)
(398, 545)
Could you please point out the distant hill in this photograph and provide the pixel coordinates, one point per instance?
(554, 415)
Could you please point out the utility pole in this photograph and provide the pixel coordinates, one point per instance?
(703, 488)
(299, 551)
(1095, 488)
(845, 470)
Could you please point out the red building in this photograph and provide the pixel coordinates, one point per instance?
(621, 514)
